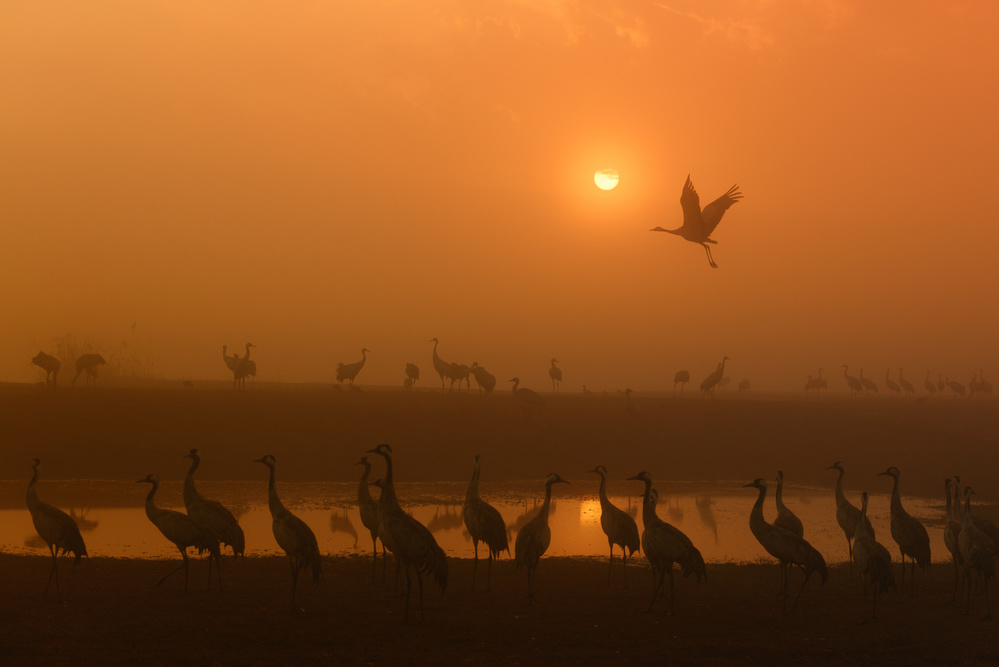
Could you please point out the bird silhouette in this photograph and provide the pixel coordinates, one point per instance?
(87, 363)
(978, 552)
(459, 373)
(180, 529)
(930, 387)
(483, 378)
(213, 517)
(244, 368)
(907, 531)
(618, 526)
(413, 373)
(786, 547)
(292, 534)
(855, 386)
(893, 386)
(533, 539)
(555, 373)
(786, 519)
(952, 531)
(710, 382)
(847, 514)
(905, 384)
(484, 524)
(867, 383)
(872, 559)
(368, 508)
(50, 365)
(409, 540)
(442, 367)
(665, 545)
(528, 397)
(956, 387)
(681, 378)
(698, 224)
(349, 371)
(56, 528)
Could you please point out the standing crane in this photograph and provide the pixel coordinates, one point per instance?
(529, 397)
(952, 531)
(665, 545)
(681, 377)
(50, 365)
(56, 528)
(786, 547)
(867, 383)
(908, 532)
(230, 361)
(555, 373)
(956, 387)
(855, 386)
(893, 386)
(697, 223)
(847, 514)
(180, 529)
(906, 385)
(413, 373)
(618, 526)
(485, 524)
(458, 373)
(930, 387)
(349, 371)
(483, 378)
(873, 560)
(442, 367)
(87, 363)
(708, 386)
(409, 540)
(978, 552)
(245, 368)
(368, 507)
(294, 537)
(533, 539)
(213, 517)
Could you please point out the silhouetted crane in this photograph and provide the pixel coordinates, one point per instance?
(413, 373)
(529, 397)
(459, 373)
(442, 367)
(555, 373)
(87, 363)
(485, 524)
(847, 514)
(708, 386)
(786, 519)
(665, 545)
(56, 528)
(244, 368)
(368, 507)
(908, 532)
(868, 384)
(413, 545)
(349, 371)
(213, 517)
(50, 365)
(533, 539)
(978, 552)
(906, 385)
(893, 386)
(697, 223)
(619, 528)
(180, 529)
(952, 530)
(681, 377)
(873, 560)
(855, 386)
(294, 537)
(483, 378)
(956, 387)
(786, 547)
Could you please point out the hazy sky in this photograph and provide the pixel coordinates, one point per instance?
(315, 177)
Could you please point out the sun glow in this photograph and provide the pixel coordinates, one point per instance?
(606, 179)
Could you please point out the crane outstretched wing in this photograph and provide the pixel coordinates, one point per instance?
(691, 205)
(713, 212)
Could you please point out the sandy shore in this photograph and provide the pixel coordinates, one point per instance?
(111, 615)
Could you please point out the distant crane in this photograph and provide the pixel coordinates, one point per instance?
(529, 397)
(87, 363)
(978, 552)
(956, 387)
(483, 378)
(244, 368)
(180, 529)
(413, 373)
(349, 371)
(442, 367)
(906, 385)
(411, 542)
(930, 387)
(681, 377)
(854, 383)
(908, 532)
(484, 524)
(294, 537)
(893, 386)
(708, 386)
(368, 507)
(697, 223)
(984, 386)
(786, 547)
(230, 363)
(213, 517)
(868, 384)
(50, 365)
(458, 373)
(665, 545)
(873, 560)
(555, 373)
(952, 529)
(533, 539)
(847, 514)
(56, 528)
(618, 526)
(811, 384)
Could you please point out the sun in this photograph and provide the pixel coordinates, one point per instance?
(606, 179)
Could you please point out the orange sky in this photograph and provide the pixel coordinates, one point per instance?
(315, 177)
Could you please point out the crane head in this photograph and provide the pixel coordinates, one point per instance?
(382, 450)
(364, 349)
(514, 379)
(434, 340)
(838, 465)
(600, 470)
(968, 491)
(148, 479)
(759, 483)
(553, 478)
(36, 464)
(267, 460)
(891, 472)
(363, 462)
(194, 454)
(380, 483)
(643, 477)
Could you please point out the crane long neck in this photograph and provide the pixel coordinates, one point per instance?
(649, 516)
(273, 501)
(32, 494)
(362, 487)
(548, 501)
(756, 520)
(949, 508)
(151, 509)
(190, 491)
(860, 531)
(896, 496)
(603, 487)
(840, 496)
(779, 495)
(473, 485)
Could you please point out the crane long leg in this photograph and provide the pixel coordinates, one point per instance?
(711, 260)
(489, 572)
(801, 590)
(182, 566)
(419, 580)
(409, 585)
(294, 580)
(475, 563)
(610, 564)
(53, 571)
(374, 557)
